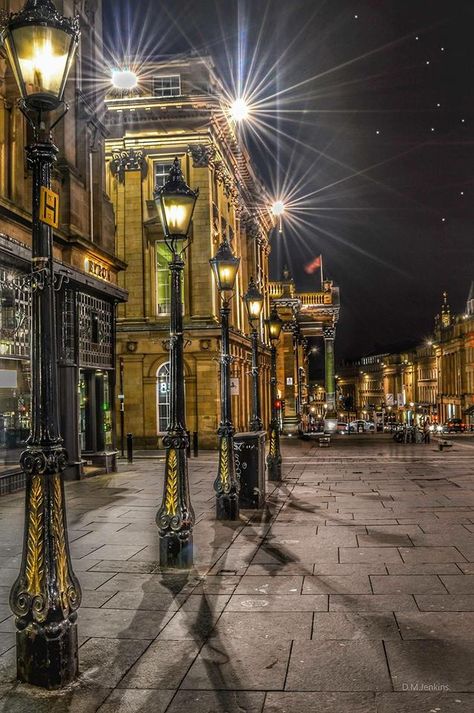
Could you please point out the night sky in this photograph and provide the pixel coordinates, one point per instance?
(364, 118)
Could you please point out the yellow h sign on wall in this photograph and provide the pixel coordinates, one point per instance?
(49, 207)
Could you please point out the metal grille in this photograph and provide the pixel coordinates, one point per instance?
(15, 315)
(95, 331)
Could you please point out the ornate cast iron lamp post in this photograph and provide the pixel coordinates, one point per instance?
(224, 266)
(40, 45)
(175, 518)
(274, 327)
(254, 302)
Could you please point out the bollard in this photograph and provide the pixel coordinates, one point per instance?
(195, 444)
(130, 447)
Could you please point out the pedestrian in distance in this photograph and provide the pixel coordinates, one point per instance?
(427, 431)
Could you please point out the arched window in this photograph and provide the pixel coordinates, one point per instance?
(163, 397)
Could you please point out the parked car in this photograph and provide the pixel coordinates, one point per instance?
(360, 426)
(342, 427)
(454, 425)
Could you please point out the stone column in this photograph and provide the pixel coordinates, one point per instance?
(329, 334)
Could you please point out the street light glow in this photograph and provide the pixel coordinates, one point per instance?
(124, 79)
(278, 208)
(239, 109)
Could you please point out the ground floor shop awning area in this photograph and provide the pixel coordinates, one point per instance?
(351, 592)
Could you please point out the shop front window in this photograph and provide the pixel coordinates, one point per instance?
(15, 374)
(15, 411)
(163, 287)
(95, 410)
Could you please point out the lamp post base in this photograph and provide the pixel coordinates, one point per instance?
(176, 553)
(227, 507)
(47, 656)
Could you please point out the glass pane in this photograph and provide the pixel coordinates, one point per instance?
(167, 86)
(107, 409)
(82, 411)
(43, 53)
(162, 279)
(161, 173)
(163, 397)
(163, 287)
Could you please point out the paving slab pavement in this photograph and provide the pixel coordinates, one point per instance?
(353, 590)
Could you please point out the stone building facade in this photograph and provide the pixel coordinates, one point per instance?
(306, 316)
(434, 379)
(84, 261)
(177, 111)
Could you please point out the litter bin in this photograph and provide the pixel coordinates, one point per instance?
(249, 452)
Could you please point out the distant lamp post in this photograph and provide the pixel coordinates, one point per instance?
(274, 327)
(225, 266)
(175, 518)
(40, 45)
(253, 299)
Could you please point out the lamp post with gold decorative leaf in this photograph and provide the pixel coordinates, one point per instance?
(274, 327)
(175, 518)
(254, 300)
(224, 266)
(40, 45)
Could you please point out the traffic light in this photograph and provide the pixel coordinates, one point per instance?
(278, 404)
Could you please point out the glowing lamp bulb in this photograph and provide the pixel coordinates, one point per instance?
(278, 208)
(124, 79)
(239, 110)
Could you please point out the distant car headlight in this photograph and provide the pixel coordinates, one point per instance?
(439, 429)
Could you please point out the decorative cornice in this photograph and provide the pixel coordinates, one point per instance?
(128, 160)
(329, 332)
(203, 155)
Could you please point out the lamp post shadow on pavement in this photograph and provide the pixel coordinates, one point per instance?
(175, 517)
(40, 45)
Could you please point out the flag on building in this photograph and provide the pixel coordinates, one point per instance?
(313, 266)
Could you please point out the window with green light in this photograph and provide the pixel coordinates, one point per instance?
(163, 287)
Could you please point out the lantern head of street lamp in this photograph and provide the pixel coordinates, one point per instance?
(225, 265)
(124, 79)
(239, 110)
(40, 44)
(274, 326)
(253, 299)
(175, 202)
